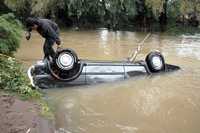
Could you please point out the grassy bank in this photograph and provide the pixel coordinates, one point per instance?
(13, 79)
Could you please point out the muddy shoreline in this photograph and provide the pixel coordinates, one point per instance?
(18, 116)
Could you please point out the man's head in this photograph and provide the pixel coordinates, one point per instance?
(32, 23)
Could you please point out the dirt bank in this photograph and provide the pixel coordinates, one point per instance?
(18, 116)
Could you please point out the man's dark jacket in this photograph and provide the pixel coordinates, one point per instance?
(48, 29)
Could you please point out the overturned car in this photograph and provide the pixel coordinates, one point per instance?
(68, 70)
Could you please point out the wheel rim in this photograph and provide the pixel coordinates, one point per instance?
(157, 62)
(65, 61)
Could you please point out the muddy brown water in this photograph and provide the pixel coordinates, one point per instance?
(167, 103)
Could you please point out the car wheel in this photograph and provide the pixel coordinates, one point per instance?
(65, 66)
(155, 62)
(66, 59)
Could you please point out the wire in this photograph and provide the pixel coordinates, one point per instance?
(139, 48)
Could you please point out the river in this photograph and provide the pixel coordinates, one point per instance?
(167, 103)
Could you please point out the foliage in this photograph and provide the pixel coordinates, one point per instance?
(110, 13)
(25, 8)
(155, 5)
(10, 33)
(13, 78)
(3, 8)
(188, 6)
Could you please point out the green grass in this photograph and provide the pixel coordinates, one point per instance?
(13, 79)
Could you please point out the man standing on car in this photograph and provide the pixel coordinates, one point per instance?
(48, 30)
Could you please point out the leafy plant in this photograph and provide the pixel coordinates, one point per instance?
(10, 33)
(112, 14)
(13, 78)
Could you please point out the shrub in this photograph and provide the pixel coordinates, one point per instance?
(13, 78)
(10, 33)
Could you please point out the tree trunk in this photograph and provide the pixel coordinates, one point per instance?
(141, 17)
(163, 14)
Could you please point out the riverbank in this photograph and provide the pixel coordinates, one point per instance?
(18, 116)
(22, 107)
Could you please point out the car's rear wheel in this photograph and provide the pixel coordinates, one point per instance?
(155, 62)
(66, 65)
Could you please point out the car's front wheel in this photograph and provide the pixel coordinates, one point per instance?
(155, 62)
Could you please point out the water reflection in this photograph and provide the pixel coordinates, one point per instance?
(104, 42)
(189, 47)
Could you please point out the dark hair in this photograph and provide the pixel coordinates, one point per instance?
(31, 22)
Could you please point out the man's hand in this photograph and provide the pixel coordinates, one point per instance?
(58, 42)
(28, 35)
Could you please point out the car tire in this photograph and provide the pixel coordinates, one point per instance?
(65, 66)
(155, 62)
(71, 59)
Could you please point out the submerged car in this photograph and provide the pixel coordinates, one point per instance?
(68, 70)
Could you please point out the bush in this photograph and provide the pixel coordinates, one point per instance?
(13, 78)
(10, 33)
